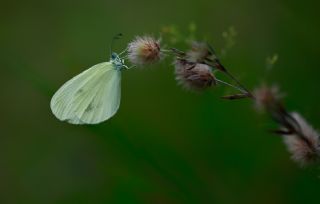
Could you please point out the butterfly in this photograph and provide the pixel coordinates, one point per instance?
(91, 97)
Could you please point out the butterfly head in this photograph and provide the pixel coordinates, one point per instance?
(117, 61)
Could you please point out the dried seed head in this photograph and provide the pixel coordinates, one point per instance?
(193, 76)
(304, 146)
(266, 97)
(199, 53)
(144, 50)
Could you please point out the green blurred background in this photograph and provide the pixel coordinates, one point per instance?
(165, 145)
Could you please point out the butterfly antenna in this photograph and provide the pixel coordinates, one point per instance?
(116, 37)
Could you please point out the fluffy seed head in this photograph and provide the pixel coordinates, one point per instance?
(266, 97)
(144, 50)
(305, 147)
(199, 52)
(194, 76)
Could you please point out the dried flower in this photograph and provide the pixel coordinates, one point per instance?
(194, 76)
(305, 144)
(266, 97)
(144, 50)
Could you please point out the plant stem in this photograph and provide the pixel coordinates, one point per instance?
(239, 83)
(235, 87)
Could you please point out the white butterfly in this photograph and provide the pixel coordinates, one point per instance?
(91, 97)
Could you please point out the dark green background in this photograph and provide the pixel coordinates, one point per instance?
(165, 145)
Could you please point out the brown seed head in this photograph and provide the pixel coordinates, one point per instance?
(193, 76)
(144, 50)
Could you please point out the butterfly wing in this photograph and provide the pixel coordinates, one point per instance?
(91, 97)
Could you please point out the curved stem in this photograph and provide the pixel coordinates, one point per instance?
(239, 83)
(235, 87)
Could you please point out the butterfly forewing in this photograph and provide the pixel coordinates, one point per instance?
(91, 97)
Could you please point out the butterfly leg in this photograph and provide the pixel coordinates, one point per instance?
(125, 66)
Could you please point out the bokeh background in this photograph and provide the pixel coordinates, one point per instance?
(165, 145)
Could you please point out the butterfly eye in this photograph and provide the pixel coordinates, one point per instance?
(113, 56)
